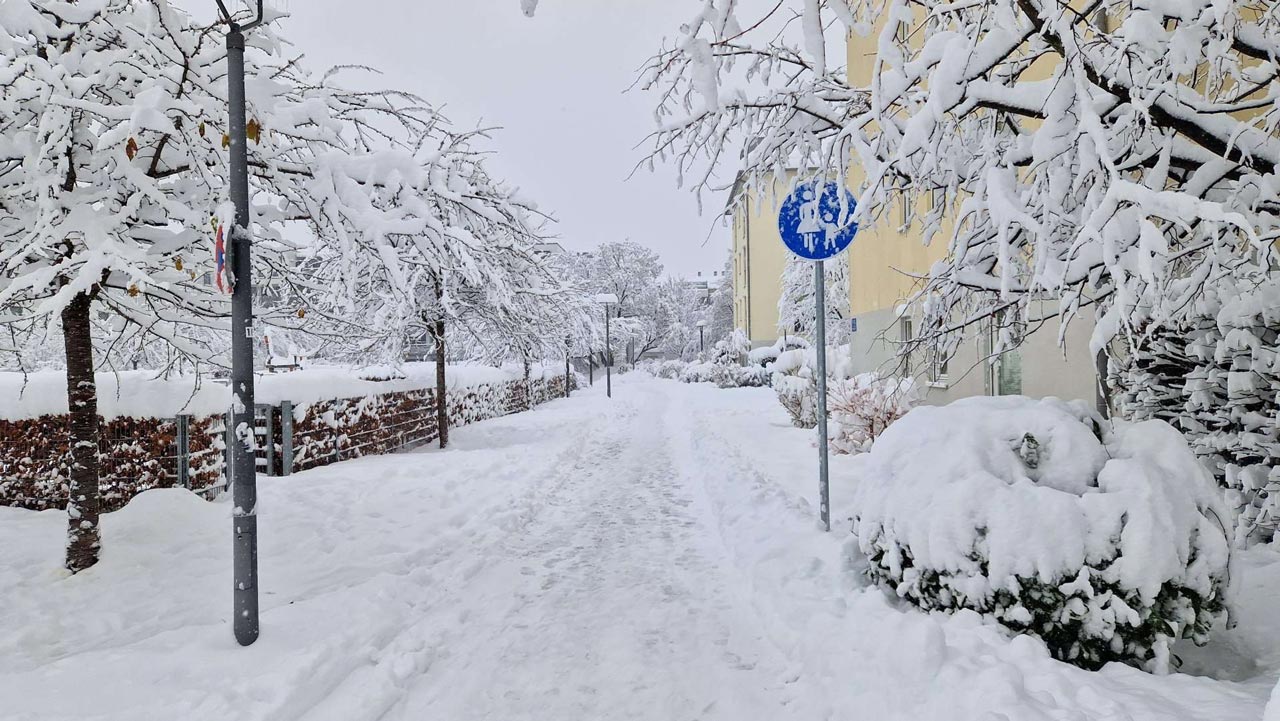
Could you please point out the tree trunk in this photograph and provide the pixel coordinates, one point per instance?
(1103, 390)
(85, 502)
(442, 391)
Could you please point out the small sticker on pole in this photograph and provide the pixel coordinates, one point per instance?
(220, 275)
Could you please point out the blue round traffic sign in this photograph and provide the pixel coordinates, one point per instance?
(816, 222)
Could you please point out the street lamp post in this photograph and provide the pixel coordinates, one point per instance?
(607, 299)
(242, 473)
(702, 344)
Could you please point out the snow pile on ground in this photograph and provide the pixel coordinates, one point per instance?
(144, 394)
(1106, 549)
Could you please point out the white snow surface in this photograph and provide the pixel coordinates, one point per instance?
(141, 394)
(655, 556)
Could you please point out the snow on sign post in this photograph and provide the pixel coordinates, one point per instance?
(816, 223)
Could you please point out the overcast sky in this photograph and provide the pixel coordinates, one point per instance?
(554, 84)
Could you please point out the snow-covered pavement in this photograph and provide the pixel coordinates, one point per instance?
(654, 556)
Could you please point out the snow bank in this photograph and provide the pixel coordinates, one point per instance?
(131, 394)
(141, 394)
(1107, 549)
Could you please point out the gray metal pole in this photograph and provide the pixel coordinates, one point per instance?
(824, 487)
(608, 356)
(702, 345)
(243, 464)
(183, 443)
(286, 437)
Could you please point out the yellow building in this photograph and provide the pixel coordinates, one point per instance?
(758, 261)
(882, 262)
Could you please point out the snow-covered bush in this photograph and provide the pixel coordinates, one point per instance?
(1107, 550)
(741, 376)
(763, 356)
(794, 374)
(700, 372)
(766, 355)
(732, 350)
(862, 408)
(799, 396)
(669, 369)
(1214, 376)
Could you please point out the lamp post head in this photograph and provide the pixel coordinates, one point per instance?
(226, 16)
(606, 298)
(702, 324)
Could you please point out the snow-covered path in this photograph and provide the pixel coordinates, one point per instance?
(609, 601)
(652, 557)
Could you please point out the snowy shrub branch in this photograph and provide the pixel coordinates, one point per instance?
(1085, 155)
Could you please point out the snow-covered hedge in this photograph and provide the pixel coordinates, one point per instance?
(864, 406)
(724, 368)
(1107, 549)
(1215, 376)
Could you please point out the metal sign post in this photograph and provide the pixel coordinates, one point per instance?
(824, 485)
(816, 223)
(243, 471)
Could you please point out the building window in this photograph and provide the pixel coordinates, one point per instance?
(938, 370)
(1009, 373)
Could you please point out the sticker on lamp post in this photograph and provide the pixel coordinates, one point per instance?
(816, 223)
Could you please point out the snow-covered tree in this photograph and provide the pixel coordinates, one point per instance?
(797, 311)
(632, 272)
(1084, 154)
(110, 134)
(113, 142)
(719, 312)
